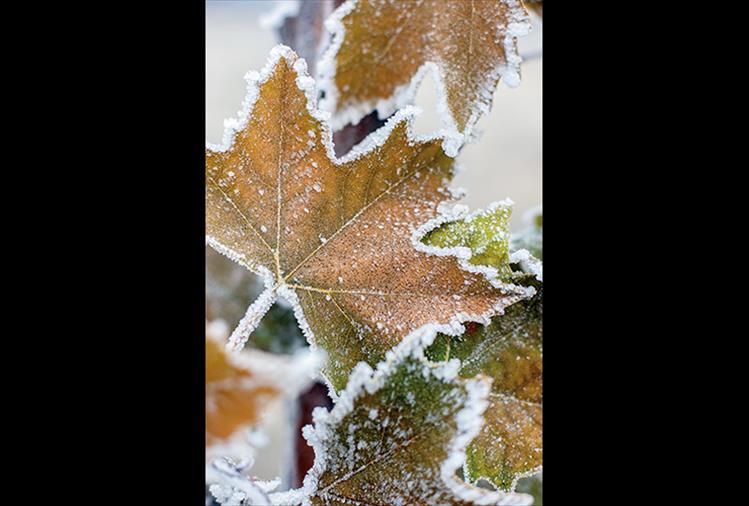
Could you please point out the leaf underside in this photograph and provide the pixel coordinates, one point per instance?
(386, 42)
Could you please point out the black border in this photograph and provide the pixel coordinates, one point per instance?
(114, 160)
(119, 147)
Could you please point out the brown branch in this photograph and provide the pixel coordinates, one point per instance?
(317, 395)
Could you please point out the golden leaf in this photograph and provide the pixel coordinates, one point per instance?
(234, 395)
(382, 48)
(338, 238)
(240, 386)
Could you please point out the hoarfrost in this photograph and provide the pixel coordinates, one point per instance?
(409, 455)
(436, 64)
(232, 487)
(391, 265)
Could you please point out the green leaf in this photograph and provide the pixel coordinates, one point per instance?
(484, 232)
(398, 435)
(509, 350)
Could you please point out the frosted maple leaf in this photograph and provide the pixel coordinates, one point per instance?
(340, 238)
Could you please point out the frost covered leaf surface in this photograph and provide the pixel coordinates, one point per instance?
(509, 350)
(485, 233)
(382, 48)
(338, 238)
(398, 437)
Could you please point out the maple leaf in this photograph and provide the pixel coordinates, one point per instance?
(239, 386)
(382, 49)
(509, 350)
(484, 232)
(397, 435)
(339, 238)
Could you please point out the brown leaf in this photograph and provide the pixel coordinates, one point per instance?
(233, 396)
(536, 5)
(508, 350)
(336, 236)
(240, 386)
(382, 48)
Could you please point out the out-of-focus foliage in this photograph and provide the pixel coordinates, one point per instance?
(235, 394)
(531, 237)
(230, 288)
(532, 485)
(535, 5)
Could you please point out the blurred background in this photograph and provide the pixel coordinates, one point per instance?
(506, 162)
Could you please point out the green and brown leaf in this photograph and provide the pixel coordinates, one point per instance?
(335, 236)
(398, 437)
(508, 350)
(484, 232)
